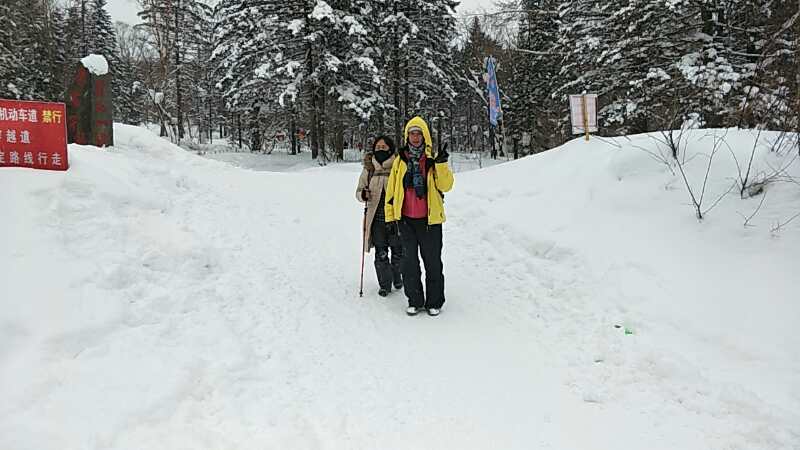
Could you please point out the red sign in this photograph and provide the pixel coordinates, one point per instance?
(33, 134)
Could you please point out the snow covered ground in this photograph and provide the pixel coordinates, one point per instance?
(283, 162)
(152, 298)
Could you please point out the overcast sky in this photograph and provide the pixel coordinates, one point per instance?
(125, 10)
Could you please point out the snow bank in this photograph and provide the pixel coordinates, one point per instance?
(151, 298)
(712, 303)
(96, 64)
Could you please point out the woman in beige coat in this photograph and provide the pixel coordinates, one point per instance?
(384, 237)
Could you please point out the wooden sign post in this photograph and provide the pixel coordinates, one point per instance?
(583, 113)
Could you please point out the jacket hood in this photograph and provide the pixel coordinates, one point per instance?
(419, 122)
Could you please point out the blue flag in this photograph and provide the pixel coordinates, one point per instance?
(495, 111)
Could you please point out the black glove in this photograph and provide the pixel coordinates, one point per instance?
(365, 194)
(442, 156)
(391, 228)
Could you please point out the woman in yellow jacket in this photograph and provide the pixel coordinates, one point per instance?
(414, 198)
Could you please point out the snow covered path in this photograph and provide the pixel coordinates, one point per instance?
(186, 304)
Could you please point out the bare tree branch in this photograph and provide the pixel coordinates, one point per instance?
(750, 217)
(778, 226)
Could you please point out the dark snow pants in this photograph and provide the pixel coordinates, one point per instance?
(388, 269)
(419, 238)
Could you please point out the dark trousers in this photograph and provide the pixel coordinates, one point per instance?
(388, 269)
(419, 238)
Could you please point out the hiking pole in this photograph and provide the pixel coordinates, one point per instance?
(363, 248)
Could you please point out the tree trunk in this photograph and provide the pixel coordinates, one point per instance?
(366, 131)
(239, 127)
(492, 139)
(338, 136)
(381, 123)
(396, 84)
(323, 121)
(293, 131)
(516, 150)
(315, 128)
(469, 127)
(406, 82)
(255, 136)
(178, 71)
(453, 141)
(436, 129)
(84, 41)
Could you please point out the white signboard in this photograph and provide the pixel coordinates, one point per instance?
(583, 112)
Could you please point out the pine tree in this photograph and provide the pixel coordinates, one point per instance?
(348, 73)
(639, 65)
(421, 72)
(430, 66)
(656, 64)
(101, 37)
(396, 32)
(73, 33)
(29, 50)
(56, 54)
(10, 62)
(32, 42)
(533, 109)
(127, 92)
(472, 104)
(102, 40)
(759, 43)
(135, 67)
(172, 24)
(200, 70)
(259, 58)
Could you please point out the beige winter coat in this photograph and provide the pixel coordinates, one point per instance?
(377, 184)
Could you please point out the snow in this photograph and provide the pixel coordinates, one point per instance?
(276, 162)
(355, 26)
(295, 26)
(96, 64)
(658, 73)
(332, 62)
(725, 87)
(322, 11)
(152, 298)
(291, 67)
(365, 63)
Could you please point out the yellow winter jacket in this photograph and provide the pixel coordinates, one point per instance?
(440, 179)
